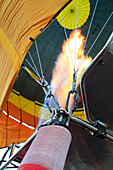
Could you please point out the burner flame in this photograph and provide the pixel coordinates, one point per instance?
(71, 58)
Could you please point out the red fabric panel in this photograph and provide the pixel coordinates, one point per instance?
(31, 166)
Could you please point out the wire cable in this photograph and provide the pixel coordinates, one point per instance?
(67, 40)
(80, 63)
(76, 36)
(33, 62)
(33, 68)
(39, 58)
(100, 33)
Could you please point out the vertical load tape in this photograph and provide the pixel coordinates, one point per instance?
(49, 149)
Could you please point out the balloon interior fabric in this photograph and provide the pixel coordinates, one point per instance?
(25, 105)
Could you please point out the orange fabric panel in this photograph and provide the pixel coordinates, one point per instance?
(25, 133)
(12, 110)
(12, 131)
(7, 69)
(6, 93)
(23, 116)
(20, 20)
(28, 118)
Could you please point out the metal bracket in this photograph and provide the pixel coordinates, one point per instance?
(101, 133)
(73, 91)
(76, 100)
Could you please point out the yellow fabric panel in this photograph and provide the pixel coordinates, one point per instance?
(79, 9)
(33, 108)
(80, 114)
(19, 20)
